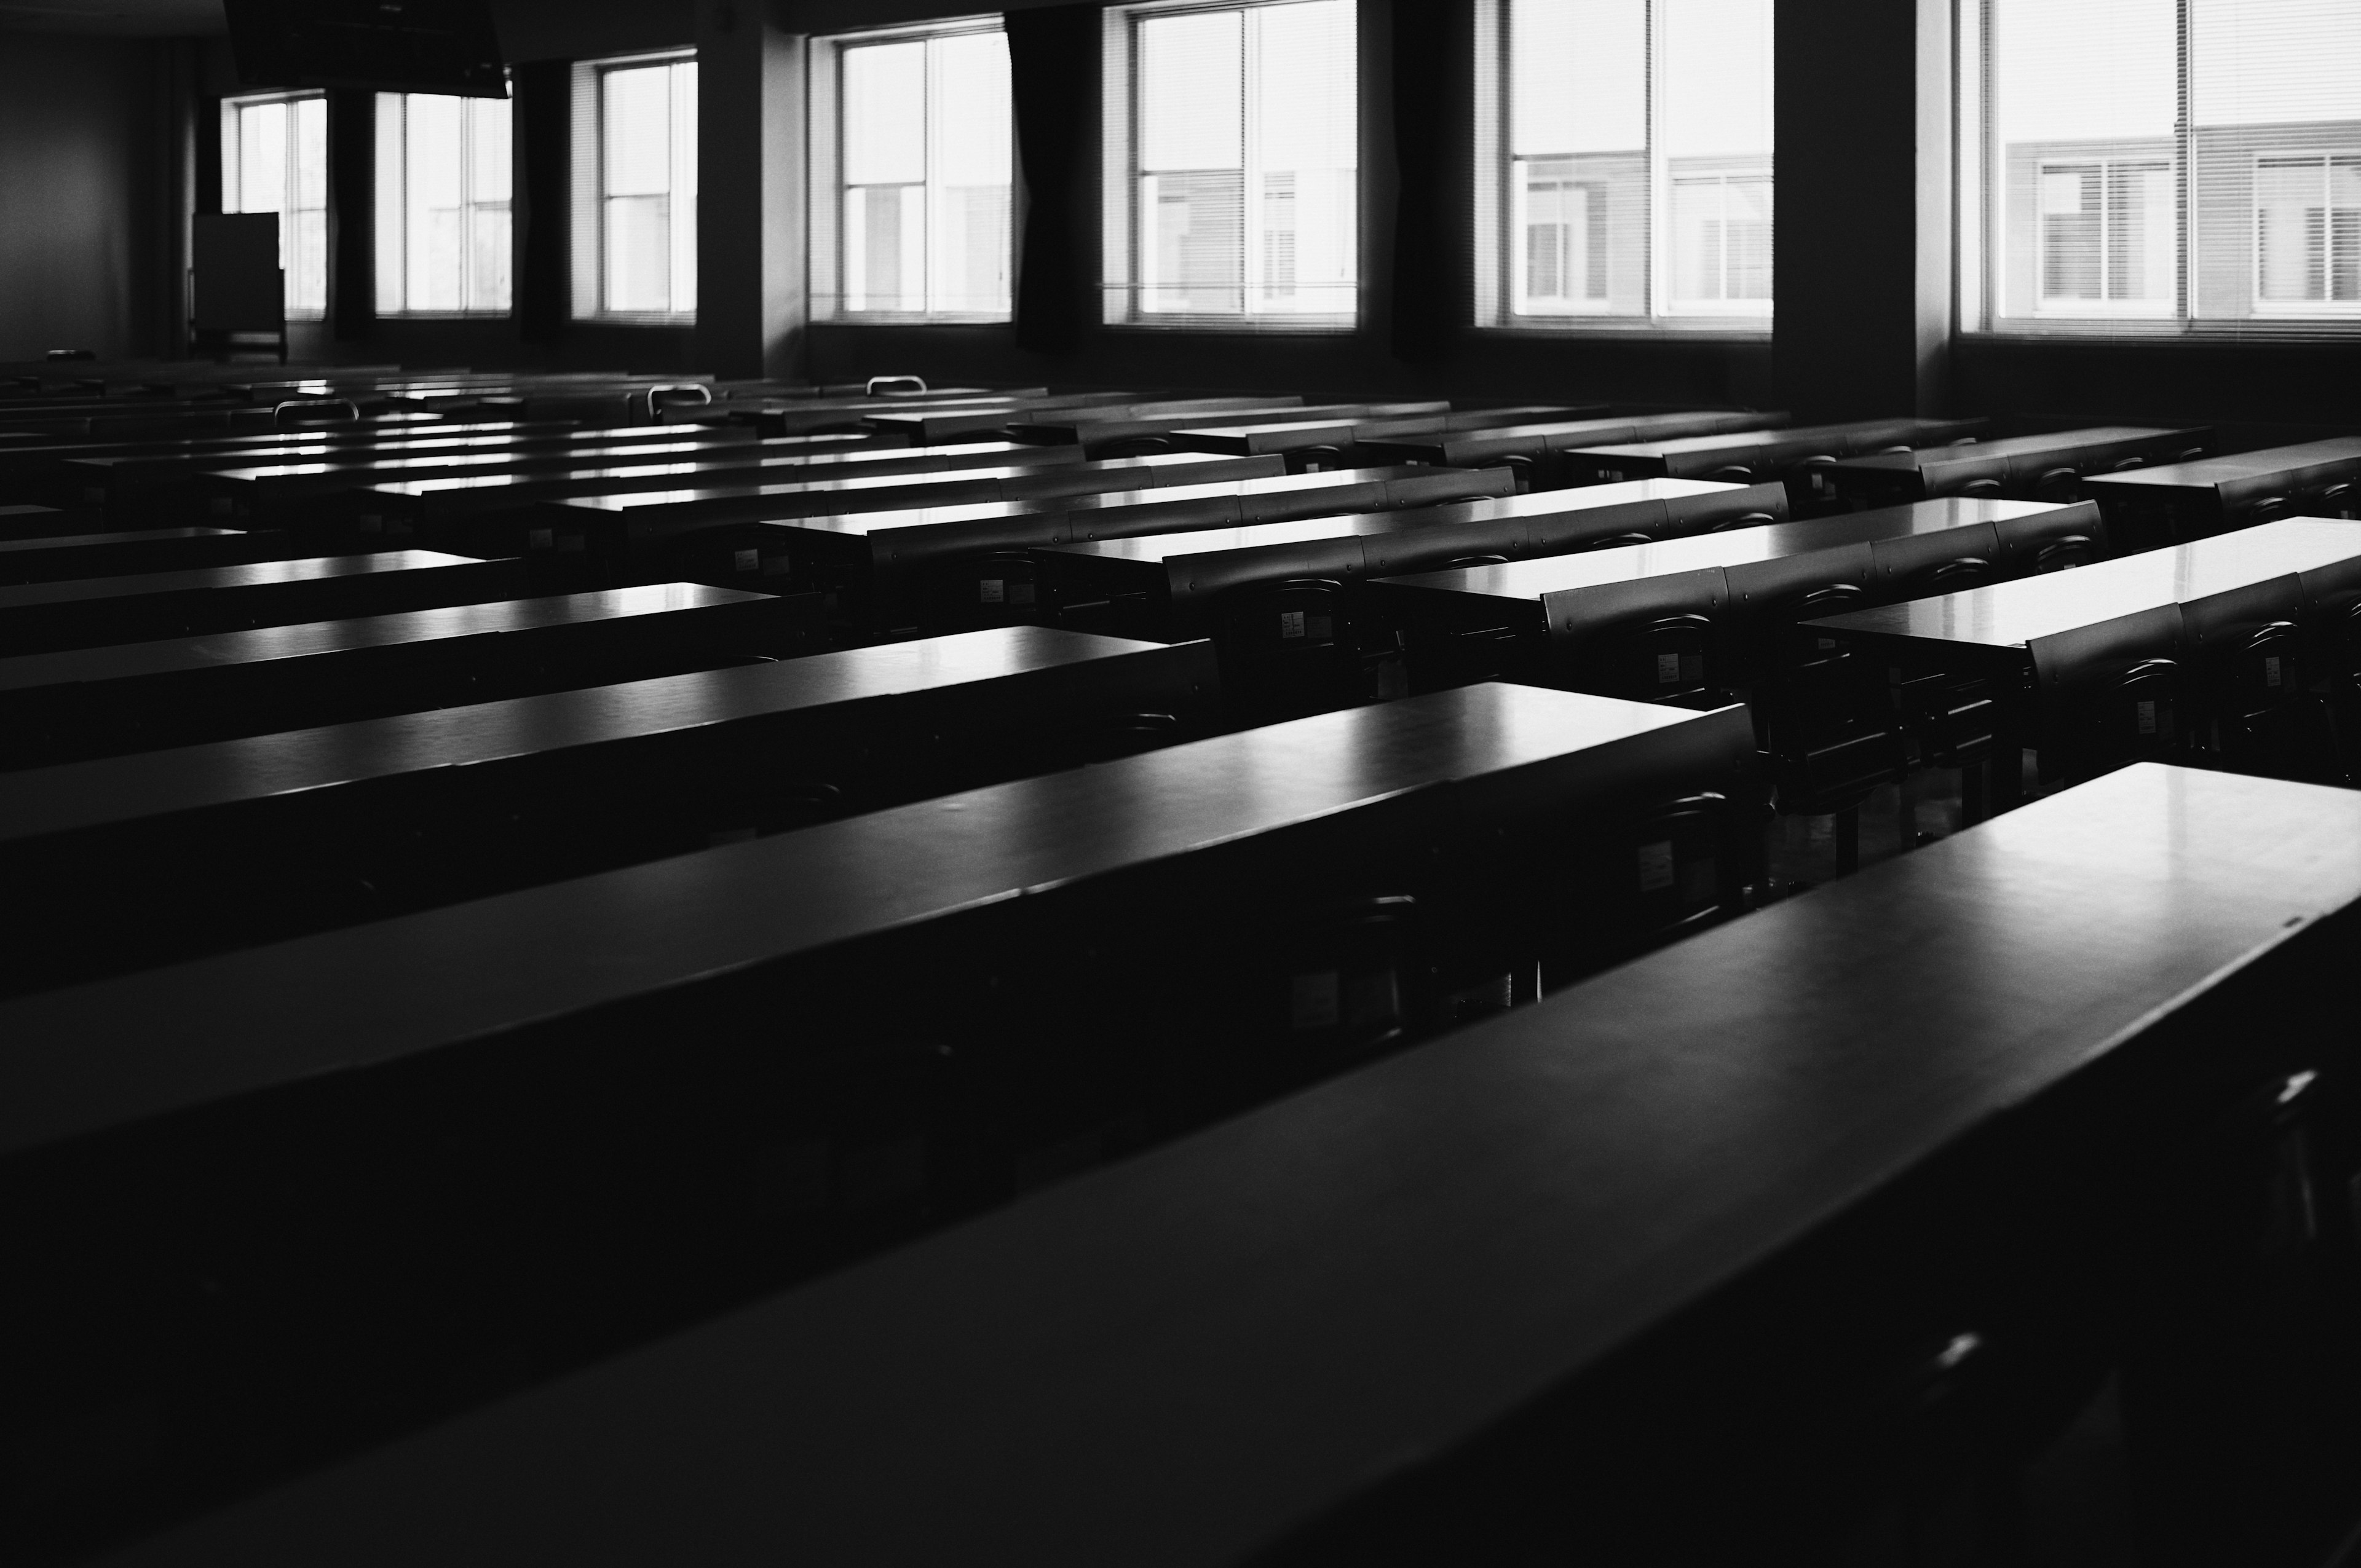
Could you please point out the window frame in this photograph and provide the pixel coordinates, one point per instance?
(398, 205)
(2068, 308)
(1500, 264)
(233, 172)
(2328, 305)
(590, 198)
(826, 267)
(1122, 177)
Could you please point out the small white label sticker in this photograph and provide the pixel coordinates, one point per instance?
(991, 591)
(2271, 670)
(1656, 866)
(1668, 669)
(1312, 1000)
(747, 560)
(1020, 593)
(540, 539)
(1290, 623)
(2146, 718)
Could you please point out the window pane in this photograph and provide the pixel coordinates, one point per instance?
(1191, 250)
(2139, 233)
(487, 260)
(2288, 203)
(1191, 91)
(1716, 68)
(2273, 62)
(261, 157)
(637, 112)
(885, 113)
(639, 253)
(971, 225)
(490, 168)
(1578, 76)
(312, 153)
(1307, 155)
(392, 249)
(2069, 234)
(2081, 70)
(885, 248)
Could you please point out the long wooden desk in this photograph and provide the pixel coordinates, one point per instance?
(2176, 502)
(1242, 438)
(55, 557)
(927, 426)
(163, 856)
(1750, 456)
(1167, 585)
(1096, 429)
(1540, 616)
(2016, 467)
(887, 570)
(1278, 1340)
(735, 1040)
(91, 612)
(2035, 640)
(1536, 446)
(100, 702)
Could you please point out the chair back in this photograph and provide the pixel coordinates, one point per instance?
(1944, 577)
(1732, 474)
(1985, 486)
(2058, 485)
(1127, 446)
(1287, 647)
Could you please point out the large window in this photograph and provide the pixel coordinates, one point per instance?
(275, 160)
(1233, 165)
(910, 175)
(2162, 166)
(444, 175)
(636, 183)
(1623, 163)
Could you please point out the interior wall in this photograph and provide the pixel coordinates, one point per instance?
(85, 166)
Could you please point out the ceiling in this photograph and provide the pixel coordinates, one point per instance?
(119, 18)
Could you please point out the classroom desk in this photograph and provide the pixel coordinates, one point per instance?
(894, 569)
(724, 1026)
(90, 612)
(1748, 457)
(2031, 639)
(2015, 466)
(54, 557)
(1537, 446)
(270, 489)
(99, 702)
(2176, 502)
(1096, 429)
(164, 856)
(631, 528)
(1169, 584)
(1272, 1341)
(927, 426)
(1242, 438)
(1540, 615)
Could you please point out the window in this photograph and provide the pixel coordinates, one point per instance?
(1623, 163)
(443, 224)
(2160, 166)
(910, 175)
(1233, 166)
(636, 183)
(275, 160)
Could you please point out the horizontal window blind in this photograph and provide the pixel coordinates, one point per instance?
(1623, 163)
(1232, 166)
(2162, 166)
(911, 175)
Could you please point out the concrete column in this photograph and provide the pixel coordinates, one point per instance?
(1864, 221)
(750, 216)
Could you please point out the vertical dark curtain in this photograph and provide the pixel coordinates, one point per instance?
(352, 215)
(1431, 44)
(544, 118)
(1053, 58)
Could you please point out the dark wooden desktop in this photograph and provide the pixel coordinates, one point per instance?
(2176, 502)
(2027, 467)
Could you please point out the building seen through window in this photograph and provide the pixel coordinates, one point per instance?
(1233, 165)
(636, 183)
(2161, 165)
(1624, 162)
(443, 228)
(275, 160)
(911, 182)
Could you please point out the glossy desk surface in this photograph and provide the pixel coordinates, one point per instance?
(1804, 438)
(314, 639)
(2013, 446)
(1161, 468)
(1176, 1360)
(1559, 434)
(272, 444)
(2205, 473)
(1531, 580)
(84, 540)
(75, 1060)
(121, 789)
(253, 574)
(2010, 615)
(1313, 428)
(908, 464)
(595, 456)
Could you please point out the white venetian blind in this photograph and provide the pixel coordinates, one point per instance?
(2136, 175)
(1234, 161)
(912, 159)
(1623, 163)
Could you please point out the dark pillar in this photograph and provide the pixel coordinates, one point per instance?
(1864, 242)
(750, 212)
(352, 215)
(543, 126)
(1432, 68)
(1053, 61)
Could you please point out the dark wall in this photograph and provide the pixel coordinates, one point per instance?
(85, 247)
